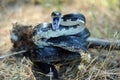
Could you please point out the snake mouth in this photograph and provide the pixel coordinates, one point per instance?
(56, 22)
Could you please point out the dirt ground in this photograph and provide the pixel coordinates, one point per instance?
(102, 20)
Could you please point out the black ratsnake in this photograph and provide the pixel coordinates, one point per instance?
(62, 40)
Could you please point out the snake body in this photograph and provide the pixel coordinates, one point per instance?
(42, 34)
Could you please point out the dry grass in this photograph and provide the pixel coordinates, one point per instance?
(16, 69)
(103, 21)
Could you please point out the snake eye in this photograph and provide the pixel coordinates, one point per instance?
(56, 17)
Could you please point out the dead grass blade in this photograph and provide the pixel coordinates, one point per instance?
(11, 54)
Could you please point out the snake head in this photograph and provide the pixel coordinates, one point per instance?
(56, 17)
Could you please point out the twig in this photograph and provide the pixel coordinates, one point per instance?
(11, 54)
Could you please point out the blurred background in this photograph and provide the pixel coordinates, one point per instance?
(102, 16)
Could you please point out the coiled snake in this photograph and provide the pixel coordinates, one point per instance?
(61, 40)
